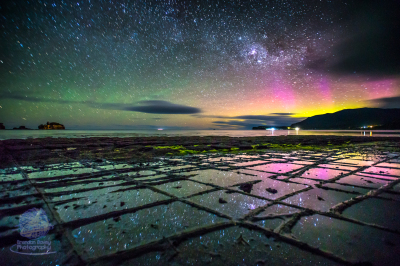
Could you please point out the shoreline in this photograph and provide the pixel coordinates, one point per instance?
(49, 150)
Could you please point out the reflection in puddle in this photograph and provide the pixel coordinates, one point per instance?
(273, 189)
(278, 209)
(279, 168)
(183, 188)
(363, 181)
(222, 178)
(319, 199)
(237, 205)
(322, 173)
(382, 171)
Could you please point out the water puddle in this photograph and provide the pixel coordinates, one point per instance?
(183, 188)
(382, 171)
(220, 159)
(85, 185)
(322, 173)
(304, 181)
(338, 167)
(351, 189)
(352, 242)
(271, 223)
(390, 165)
(357, 180)
(114, 166)
(233, 204)
(279, 168)
(142, 173)
(222, 178)
(302, 162)
(248, 163)
(273, 189)
(149, 178)
(182, 167)
(355, 162)
(57, 173)
(10, 177)
(369, 211)
(384, 177)
(261, 175)
(247, 156)
(319, 199)
(277, 160)
(278, 209)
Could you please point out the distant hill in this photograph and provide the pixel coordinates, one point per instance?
(354, 119)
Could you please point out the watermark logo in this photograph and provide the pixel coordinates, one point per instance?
(34, 225)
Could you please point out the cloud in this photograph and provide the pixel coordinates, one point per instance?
(249, 121)
(162, 107)
(388, 102)
(283, 113)
(372, 45)
(150, 107)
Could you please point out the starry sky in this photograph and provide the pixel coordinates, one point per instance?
(99, 64)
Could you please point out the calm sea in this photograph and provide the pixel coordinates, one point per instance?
(24, 134)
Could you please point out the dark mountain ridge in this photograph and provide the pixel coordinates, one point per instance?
(354, 119)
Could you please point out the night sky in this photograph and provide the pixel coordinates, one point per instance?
(97, 64)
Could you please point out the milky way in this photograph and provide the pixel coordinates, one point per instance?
(191, 64)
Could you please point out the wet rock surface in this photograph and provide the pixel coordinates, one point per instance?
(107, 207)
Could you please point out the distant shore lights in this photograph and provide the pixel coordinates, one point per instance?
(297, 130)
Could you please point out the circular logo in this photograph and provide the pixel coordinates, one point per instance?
(34, 223)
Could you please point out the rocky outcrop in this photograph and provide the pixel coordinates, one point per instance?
(21, 127)
(2, 126)
(52, 125)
